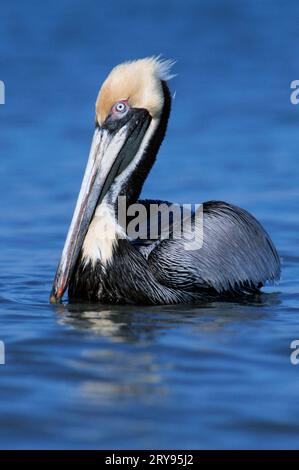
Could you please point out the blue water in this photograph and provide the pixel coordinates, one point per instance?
(92, 376)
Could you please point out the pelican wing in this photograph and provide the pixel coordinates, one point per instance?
(237, 254)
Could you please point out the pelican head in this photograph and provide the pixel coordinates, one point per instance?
(132, 110)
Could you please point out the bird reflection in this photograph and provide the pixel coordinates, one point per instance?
(132, 324)
(119, 323)
(129, 353)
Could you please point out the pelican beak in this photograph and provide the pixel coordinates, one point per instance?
(113, 148)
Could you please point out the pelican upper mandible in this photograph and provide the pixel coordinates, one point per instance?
(100, 262)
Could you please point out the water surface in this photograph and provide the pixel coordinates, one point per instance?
(93, 376)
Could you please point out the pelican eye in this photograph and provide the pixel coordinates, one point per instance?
(120, 108)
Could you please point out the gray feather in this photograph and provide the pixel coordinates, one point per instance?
(237, 254)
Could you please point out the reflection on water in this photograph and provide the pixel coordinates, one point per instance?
(102, 322)
(91, 376)
(139, 373)
(126, 324)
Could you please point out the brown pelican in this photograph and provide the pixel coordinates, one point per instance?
(237, 256)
